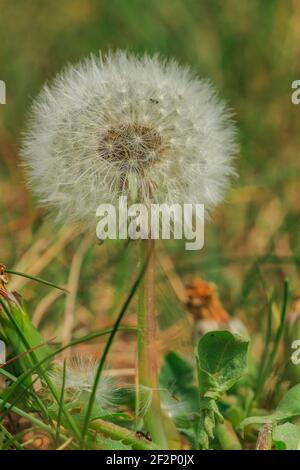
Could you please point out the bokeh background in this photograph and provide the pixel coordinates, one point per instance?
(250, 51)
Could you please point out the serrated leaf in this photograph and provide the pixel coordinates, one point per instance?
(110, 444)
(222, 359)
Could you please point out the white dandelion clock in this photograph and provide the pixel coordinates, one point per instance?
(123, 125)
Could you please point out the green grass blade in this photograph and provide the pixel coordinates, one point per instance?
(107, 348)
(61, 401)
(40, 370)
(37, 279)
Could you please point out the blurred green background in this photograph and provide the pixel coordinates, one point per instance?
(250, 50)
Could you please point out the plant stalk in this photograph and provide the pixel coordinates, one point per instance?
(227, 437)
(147, 348)
(121, 434)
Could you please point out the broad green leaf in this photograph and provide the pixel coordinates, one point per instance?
(287, 408)
(222, 359)
(287, 437)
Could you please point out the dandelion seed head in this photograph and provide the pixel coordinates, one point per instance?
(117, 119)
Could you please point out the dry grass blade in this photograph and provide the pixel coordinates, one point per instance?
(73, 283)
(35, 260)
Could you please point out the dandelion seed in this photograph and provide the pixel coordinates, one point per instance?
(122, 125)
(144, 395)
(80, 376)
(175, 408)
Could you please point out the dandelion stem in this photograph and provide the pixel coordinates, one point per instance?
(147, 359)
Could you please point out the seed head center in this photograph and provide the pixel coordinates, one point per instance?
(131, 145)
